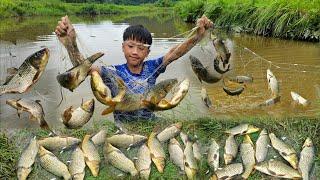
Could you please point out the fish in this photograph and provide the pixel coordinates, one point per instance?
(270, 101)
(228, 172)
(230, 149)
(179, 93)
(28, 73)
(213, 155)
(223, 54)
(160, 90)
(285, 150)
(73, 77)
(143, 163)
(202, 72)
(117, 159)
(233, 92)
(11, 72)
(126, 140)
(278, 169)
(52, 164)
(262, 144)
(157, 152)
(307, 156)
(242, 129)
(91, 155)
(247, 155)
(169, 132)
(241, 79)
(99, 138)
(58, 143)
(273, 84)
(184, 137)
(190, 162)
(27, 159)
(33, 107)
(299, 99)
(176, 153)
(216, 65)
(77, 165)
(196, 151)
(76, 118)
(205, 98)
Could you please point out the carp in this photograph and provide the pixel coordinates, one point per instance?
(77, 165)
(228, 172)
(223, 54)
(91, 155)
(28, 73)
(73, 77)
(307, 156)
(33, 107)
(176, 153)
(126, 140)
(99, 138)
(27, 159)
(242, 129)
(184, 137)
(169, 132)
(76, 118)
(116, 158)
(216, 65)
(262, 144)
(273, 83)
(160, 90)
(241, 79)
(247, 156)
(202, 72)
(230, 149)
(143, 163)
(233, 92)
(277, 169)
(213, 155)
(299, 99)
(190, 162)
(157, 152)
(58, 142)
(196, 151)
(270, 101)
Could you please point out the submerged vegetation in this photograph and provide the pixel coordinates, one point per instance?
(281, 18)
(293, 130)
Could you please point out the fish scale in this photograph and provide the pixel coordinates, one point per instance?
(77, 165)
(91, 155)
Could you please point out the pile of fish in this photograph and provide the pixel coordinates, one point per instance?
(186, 156)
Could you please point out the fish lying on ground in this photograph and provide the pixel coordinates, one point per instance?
(233, 92)
(242, 129)
(126, 140)
(213, 155)
(58, 143)
(270, 101)
(247, 156)
(190, 162)
(143, 163)
(160, 90)
(179, 93)
(277, 169)
(223, 54)
(52, 164)
(176, 153)
(77, 165)
(157, 153)
(184, 137)
(241, 79)
(28, 73)
(99, 138)
(33, 107)
(202, 72)
(230, 149)
(262, 144)
(91, 155)
(117, 159)
(27, 159)
(216, 65)
(205, 98)
(72, 78)
(273, 83)
(285, 150)
(307, 156)
(169, 132)
(299, 99)
(76, 118)
(228, 172)
(196, 151)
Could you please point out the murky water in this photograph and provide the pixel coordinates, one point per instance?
(295, 64)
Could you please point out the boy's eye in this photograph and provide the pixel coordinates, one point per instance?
(141, 48)
(130, 46)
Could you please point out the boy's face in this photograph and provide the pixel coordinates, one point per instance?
(135, 52)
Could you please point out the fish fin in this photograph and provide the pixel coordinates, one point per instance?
(108, 110)
(67, 114)
(32, 117)
(12, 71)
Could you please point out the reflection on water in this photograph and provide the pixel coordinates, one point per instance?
(295, 64)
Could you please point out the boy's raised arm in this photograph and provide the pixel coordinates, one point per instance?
(176, 52)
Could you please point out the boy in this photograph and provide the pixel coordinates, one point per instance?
(136, 47)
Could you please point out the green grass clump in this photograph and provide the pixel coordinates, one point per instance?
(8, 157)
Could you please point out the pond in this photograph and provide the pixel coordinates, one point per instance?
(295, 64)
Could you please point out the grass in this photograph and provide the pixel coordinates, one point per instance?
(281, 18)
(296, 130)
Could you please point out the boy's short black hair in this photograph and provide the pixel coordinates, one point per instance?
(137, 33)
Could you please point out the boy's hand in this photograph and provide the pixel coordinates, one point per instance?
(203, 23)
(65, 31)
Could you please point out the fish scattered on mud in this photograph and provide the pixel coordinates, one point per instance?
(273, 83)
(157, 152)
(247, 156)
(213, 155)
(33, 107)
(262, 144)
(270, 101)
(233, 92)
(196, 151)
(278, 169)
(126, 140)
(91, 155)
(228, 172)
(58, 143)
(176, 153)
(143, 163)
(99, 138)
(27, 159)
(241, 79)
(117, 159)
(307, 156)
(28, 73)
(169, 132)
(242, 129)
(184, 137)
(76, 118)
(73, 77)
(299, 99)
(230, 149)
(205, 98)
(202, 72)
(77, 165)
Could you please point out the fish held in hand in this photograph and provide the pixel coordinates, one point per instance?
(76, 118)
(28, 73)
